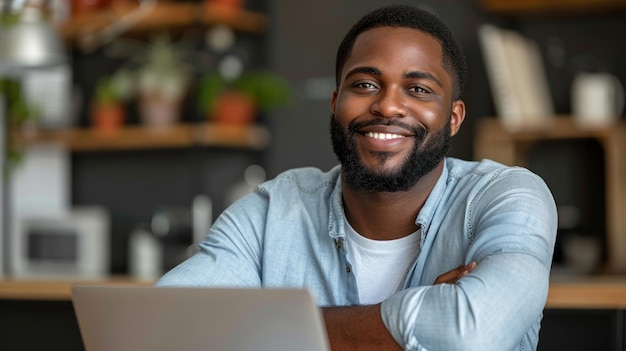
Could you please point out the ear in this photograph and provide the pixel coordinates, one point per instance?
(333, 101)
(457, 117)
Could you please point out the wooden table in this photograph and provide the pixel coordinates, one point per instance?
(575, 293)
(603, 292)
(56, 289)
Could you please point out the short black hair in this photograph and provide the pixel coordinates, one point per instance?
(410, 17)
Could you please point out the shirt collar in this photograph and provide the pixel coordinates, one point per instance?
(424, 218)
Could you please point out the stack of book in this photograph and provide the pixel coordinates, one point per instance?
(517, 78)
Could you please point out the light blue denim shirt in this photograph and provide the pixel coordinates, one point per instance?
(289, 233)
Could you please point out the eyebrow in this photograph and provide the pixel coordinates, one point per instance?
(365, 70)
(376, 72)
(423, 75)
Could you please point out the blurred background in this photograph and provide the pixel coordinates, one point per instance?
(120, 147)
(120, 108)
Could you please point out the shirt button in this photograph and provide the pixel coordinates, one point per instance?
(348, 269)
(339, 243)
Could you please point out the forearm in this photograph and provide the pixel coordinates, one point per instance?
(494, 307)
(357, 328)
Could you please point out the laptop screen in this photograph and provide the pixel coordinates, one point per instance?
(125, 318)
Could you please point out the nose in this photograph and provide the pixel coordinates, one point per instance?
(389, 103)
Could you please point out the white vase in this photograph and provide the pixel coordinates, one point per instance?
(156, 112)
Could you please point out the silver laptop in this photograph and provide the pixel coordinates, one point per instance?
(124, 318)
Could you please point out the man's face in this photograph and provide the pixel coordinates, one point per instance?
(393, 114)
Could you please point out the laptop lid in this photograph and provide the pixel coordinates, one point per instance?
(125, 318)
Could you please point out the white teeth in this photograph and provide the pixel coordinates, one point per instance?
(383, 136)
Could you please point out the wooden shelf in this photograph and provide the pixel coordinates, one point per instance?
(253, 137)
(165, 15)
(494, 142)
(560, 127)
(56, 289)
(542, 7)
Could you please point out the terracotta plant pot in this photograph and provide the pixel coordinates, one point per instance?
(234, 108)
(108, 117)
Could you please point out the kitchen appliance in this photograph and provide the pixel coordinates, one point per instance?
(73, 245)
(172, 236)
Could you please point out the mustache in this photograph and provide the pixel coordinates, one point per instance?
(354, 127)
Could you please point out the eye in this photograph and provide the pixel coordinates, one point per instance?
(364, 85)
(419, 90)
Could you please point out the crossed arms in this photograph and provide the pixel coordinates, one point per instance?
(362, 328)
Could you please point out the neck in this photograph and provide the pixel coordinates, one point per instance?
(388, 215)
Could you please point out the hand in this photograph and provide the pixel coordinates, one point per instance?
(357, 328)
(452, 276)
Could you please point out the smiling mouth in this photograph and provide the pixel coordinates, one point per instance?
(383, 136)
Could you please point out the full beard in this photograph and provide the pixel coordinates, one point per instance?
(423, 158)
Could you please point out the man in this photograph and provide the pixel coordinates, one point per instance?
(371, 236)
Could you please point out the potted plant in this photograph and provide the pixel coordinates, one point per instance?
(108, 110)
(162, 83)
(239, 101)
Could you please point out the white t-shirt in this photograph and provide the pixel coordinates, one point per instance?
(380, 266)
